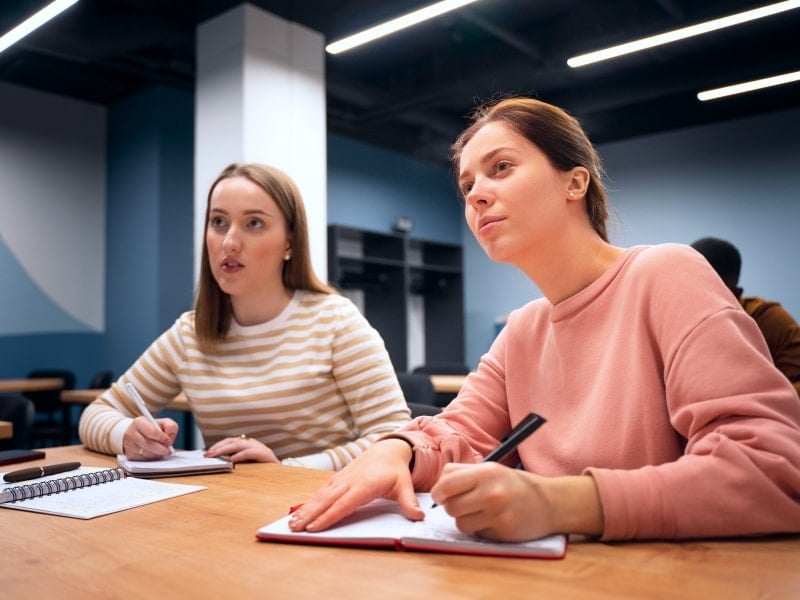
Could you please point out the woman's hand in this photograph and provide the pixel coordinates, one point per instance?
(511, 505)
(381, 472)
(144, 441)
(240, 449)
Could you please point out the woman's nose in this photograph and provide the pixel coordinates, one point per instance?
(231, 241)
(478, 195)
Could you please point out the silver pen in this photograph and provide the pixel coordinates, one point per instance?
(143, 408)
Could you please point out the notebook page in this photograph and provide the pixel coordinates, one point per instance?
(101, 499)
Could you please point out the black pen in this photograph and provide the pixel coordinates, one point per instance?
(37, 472)
(513, 439)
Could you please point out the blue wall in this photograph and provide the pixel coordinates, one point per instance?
(148, 232)
(735, 180)
(149, 227)
(369, 188)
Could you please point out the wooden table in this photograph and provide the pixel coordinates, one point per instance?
(40, 384)
(443, 384)
(34, 384)
(203, 546)
(179, 403)
(447, 384)
(6, 430)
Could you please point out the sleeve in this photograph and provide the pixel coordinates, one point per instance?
(740, 418)
(783, 338)
(154, 375)
(366, 380)
(454, 435)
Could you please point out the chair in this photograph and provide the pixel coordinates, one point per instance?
(419, 394)
(420, 410)
(46, 428)
(101, 380)
(446, 368)
(20, 411)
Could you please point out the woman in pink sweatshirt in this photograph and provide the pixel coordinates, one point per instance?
(665, 415)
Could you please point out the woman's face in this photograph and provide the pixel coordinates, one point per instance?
(246, 238)
(515, 200)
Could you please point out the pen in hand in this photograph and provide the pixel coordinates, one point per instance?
(513, 439)
(37, 472)
(143, 408)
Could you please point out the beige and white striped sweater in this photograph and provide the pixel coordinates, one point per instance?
(315, 383)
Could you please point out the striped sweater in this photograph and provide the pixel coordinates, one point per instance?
(314, 384)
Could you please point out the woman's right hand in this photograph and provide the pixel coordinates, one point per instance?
(381, 472)
(144, 441)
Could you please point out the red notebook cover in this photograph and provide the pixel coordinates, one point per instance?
(380, 524)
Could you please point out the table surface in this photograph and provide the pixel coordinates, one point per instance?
(441, 383)
(203, 545)
(86, 396)
(448, 384)
(34, 384)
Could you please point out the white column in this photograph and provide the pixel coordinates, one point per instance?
(260, 97)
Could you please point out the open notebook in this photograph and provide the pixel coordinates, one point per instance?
(183, 462)
(88, 492)
(380, 524)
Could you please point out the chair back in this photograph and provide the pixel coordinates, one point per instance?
(443, 369)
(20, 411)
(49, 401)
(417, 388)
(101, 380)
(423, 410)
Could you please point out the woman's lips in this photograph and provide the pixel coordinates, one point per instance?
(487, 224)
(232, 266)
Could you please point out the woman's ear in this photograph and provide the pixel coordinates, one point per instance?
(578, 183)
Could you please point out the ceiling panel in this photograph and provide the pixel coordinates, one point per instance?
(412, 91)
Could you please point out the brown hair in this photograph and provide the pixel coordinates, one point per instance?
(212, 306)
(554, 132)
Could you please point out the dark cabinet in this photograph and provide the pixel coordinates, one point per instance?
(396, 279)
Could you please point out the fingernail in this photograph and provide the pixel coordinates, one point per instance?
(313, 526)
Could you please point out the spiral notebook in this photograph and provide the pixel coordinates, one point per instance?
(88, 493)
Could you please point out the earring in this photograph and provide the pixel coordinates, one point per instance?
(287, 256)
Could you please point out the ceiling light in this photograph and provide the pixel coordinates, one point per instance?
(681, 34)
(378, 31)
(34, 22)
(748, 86)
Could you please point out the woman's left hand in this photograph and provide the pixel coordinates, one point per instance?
(512, 505)
(241, 449)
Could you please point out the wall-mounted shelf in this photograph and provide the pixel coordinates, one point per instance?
(396, 275)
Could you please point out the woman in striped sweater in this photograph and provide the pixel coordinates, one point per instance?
(276, 366)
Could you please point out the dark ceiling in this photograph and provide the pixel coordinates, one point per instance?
(411, 92)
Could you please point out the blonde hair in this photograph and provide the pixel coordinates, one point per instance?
(212, 307)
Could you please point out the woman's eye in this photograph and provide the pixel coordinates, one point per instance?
(465, 188)
(501, 166)
(217, 222)
(255, 224)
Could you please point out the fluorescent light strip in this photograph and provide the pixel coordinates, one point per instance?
(681, 34)
(748, 86)
(34, 22)
(378, 31)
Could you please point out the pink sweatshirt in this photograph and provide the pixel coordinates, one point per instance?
(655, 382)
